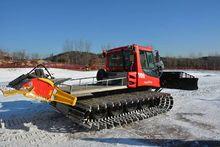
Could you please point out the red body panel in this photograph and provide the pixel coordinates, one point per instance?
(132, 79)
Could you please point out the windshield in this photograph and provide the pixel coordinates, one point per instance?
(147, 62)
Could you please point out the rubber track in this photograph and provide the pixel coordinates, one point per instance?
(79, 114)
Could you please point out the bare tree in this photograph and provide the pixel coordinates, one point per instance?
(68, 46)
(20, 55)
(35, 56)
(81, 45)
(2, 53)
(82, 49)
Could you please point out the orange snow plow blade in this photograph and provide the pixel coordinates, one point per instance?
(43, 89)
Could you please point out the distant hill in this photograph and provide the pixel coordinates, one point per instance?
(78, 58)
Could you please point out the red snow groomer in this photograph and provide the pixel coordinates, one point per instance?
(128, 89)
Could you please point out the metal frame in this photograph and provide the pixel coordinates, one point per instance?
(92, 86)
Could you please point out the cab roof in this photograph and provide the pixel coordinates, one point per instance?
(147, 48)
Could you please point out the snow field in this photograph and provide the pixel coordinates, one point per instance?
(194, 119)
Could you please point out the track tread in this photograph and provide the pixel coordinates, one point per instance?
(162, 102)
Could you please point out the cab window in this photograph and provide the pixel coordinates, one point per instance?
(147, 62)
(116, 59)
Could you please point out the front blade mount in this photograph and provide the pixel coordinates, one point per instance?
(37, 86)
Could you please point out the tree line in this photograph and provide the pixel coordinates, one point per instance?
(207, 62)
(18, 55)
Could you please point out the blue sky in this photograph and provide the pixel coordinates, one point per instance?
(175, 27)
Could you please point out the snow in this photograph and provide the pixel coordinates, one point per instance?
(194, 119)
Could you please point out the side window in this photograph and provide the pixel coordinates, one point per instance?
(150, 60)
(143, 59)
(122, 60)
(115, 59)
(127, 62)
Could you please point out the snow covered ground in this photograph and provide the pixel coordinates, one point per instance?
(194, 119)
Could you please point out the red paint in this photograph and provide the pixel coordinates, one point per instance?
(132, 79)
(40, 88)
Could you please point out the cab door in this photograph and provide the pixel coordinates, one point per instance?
(147, 75)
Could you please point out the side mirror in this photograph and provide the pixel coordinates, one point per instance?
(159, 62)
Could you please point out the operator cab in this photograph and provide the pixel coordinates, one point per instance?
(125, 59)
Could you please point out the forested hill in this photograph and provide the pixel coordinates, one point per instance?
(208, 62)
(77, 58)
